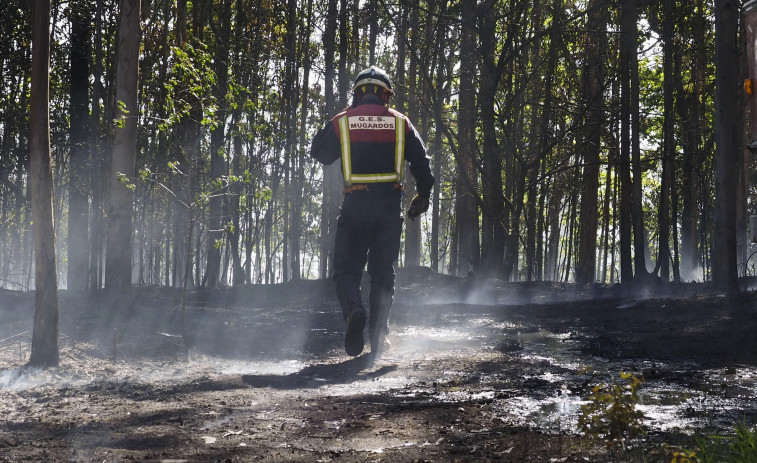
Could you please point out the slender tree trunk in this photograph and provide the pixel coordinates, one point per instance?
(493, 233)
(593, 80)
(373, 30)
(233, 232)
(96, 171)
(332, 180)
(217, 143)
(724, 271)
(413, 227)
(291, 154)
(627, 52)
(668, 155)
(45, 333)
(512, 168)
(689, 113)
(180, 183)
(467, 216)
(120, 207)
(78, 185)
(299, 178)
(640, 250)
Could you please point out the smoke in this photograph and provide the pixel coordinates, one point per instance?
(19, 379)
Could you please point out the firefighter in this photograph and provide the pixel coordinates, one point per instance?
(373, 143)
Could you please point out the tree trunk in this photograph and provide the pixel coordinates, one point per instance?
(668, 148)
(467, 215)
(493, 234)
(627, 52)
(640, 250)
(724, 271)
(217, 144)
(45, 334)
(299, 178)
(119, 241)
(593, 81)
(332, 177)
(413, 227)
(96, 174)
(78, 190)
(689, 111)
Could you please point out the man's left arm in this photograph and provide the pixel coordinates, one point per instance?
(415, 153)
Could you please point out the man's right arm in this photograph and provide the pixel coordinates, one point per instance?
(325, 147)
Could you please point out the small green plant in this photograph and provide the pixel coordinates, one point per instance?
(738, 448)
(684, 456)
(611, 412)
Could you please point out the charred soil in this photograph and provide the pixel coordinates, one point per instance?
(477, 371)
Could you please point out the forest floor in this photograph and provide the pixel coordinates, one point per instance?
(478, 371)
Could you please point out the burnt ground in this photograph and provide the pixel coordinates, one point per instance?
(478, 371)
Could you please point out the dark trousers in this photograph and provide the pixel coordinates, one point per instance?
(368, 231)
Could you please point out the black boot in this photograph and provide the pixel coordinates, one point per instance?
(379, 341)
(381, 302)
(353, 339)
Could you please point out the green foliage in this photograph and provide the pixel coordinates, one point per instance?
(123, 114)
(611, 413)
(124, 179)
(741, 447)
(189, 88)
(684, 456)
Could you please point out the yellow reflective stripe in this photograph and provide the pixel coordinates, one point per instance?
(346, 161)
(399, 148)
(375, 178)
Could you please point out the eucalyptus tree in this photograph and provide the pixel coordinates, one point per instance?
(724, 270)
(78, 169)
(45, 333)
(466, 207)
(628, 50)
(494, 57)
(218, 170)
(692, 63)
(118, 264)
(331, 175)
(15, 214)
(594, 69)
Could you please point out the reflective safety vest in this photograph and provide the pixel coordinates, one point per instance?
(381, 130)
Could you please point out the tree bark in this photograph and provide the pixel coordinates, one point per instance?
(413, 227)
(467, 216)
(97, 169)
(494, 233)
(668, 149)
(217, 144)
(593, 81)
(299, 178)
(120, 207)
(45, 334)
(331, 173)
(724, 270)
(78, 189)
(627, 54)
(690, 113)
(637, 211)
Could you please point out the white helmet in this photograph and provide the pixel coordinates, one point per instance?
(373, 76)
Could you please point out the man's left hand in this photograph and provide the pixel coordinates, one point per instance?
(418, 206)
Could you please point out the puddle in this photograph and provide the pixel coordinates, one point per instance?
(681, 397)
(549, 392)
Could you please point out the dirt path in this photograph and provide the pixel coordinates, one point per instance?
(468, 377)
